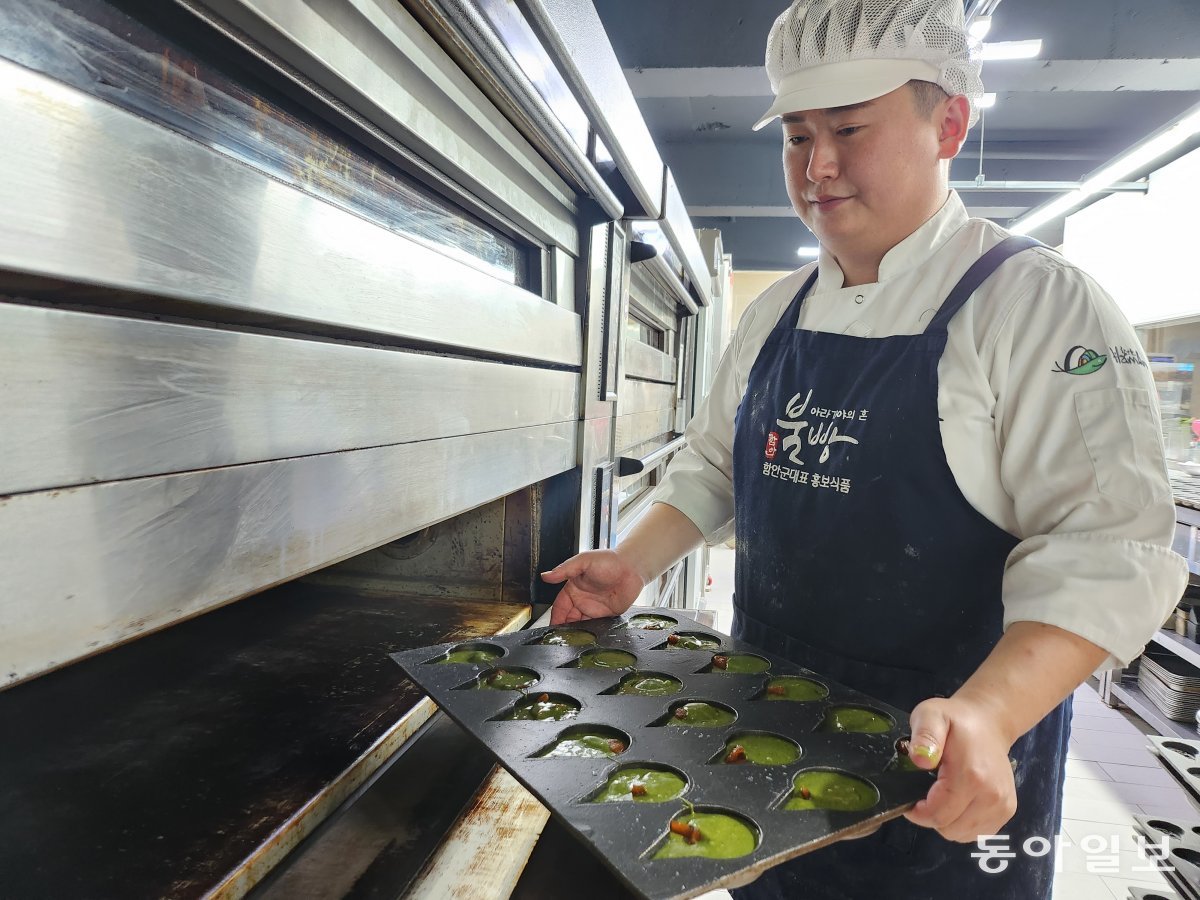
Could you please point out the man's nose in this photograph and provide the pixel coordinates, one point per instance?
(823, 162)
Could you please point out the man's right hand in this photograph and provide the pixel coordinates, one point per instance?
(599, 583)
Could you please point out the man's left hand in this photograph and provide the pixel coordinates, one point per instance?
(975, 793)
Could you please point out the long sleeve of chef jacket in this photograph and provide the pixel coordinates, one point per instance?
(1060, 450)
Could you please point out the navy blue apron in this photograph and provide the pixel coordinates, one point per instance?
(859, 557)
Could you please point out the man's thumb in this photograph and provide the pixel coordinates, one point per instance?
(929, 729)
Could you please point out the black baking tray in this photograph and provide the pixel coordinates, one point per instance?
(1136, 893)
(1181, 756)
(625, 834)
(1181, 866)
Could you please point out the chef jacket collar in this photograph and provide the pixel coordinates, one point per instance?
(911, 252)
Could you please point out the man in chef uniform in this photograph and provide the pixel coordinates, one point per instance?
(946, 475)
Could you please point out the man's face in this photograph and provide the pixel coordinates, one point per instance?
(864, 177)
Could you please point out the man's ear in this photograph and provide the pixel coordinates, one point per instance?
(955, 119)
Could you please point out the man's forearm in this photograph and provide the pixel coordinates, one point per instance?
(1028, 673)
(662, 538)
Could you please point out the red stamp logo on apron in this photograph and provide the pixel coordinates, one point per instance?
(772, 444)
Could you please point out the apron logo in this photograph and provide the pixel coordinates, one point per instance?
(772, 444)
(823, 435)
(1081, 361)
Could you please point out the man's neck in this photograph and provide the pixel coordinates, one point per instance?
(862, 272)
(863, 267)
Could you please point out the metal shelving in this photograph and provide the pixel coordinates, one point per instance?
(1133, 697)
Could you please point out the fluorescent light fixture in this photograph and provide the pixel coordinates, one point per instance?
(979, 27)
(1012, 50)
(809, 252)
(987, 101)
(1137, 157)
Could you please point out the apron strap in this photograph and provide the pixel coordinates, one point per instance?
(979, 272)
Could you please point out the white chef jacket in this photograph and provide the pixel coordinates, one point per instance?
(1070, 464)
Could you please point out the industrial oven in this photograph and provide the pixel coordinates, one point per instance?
(325, 327)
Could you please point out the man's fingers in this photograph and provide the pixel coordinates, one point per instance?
(943, 805)
(930, 728)
(561, 573)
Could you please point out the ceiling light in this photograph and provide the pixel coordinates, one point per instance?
(1134, 159)
(987, 101)
(979, 27)
(1012, 50)
(809, 252)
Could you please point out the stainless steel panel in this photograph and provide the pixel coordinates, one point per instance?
(629, 518)
(678, 227)
(475, 27)
(648, 460)
(574, 35)
(376, 58)
(86, 568)
(642, 396)
(106, 198)
(188, 88)
(691, 587)
(657, 293)
(638, 428)
(595, 453)
(643, 361)
(95, 398)
(599, 377)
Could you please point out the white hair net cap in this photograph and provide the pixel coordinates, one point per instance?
(827, 53)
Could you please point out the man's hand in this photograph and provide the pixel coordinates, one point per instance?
(599, 583)
(1028, 673)
(975, 793)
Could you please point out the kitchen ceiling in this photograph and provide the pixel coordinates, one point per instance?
(1110, 73)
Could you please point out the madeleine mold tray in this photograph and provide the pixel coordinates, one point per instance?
(687, 760)
(1182, 759)
(1181, 865)
(1152, 894)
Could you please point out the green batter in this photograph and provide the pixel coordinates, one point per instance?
(720, 837)
(760, 749)
(471, 653)
(855, 719)
(649, 684)
(688, 641)
(607, 659)
(649, 622)
(642, 785)
(586, 746)
(544, 708)
(831, 790)
(700, 715)
(507, 679)
(568, 637)
(793, 687)
(903, 763)
(739, 664)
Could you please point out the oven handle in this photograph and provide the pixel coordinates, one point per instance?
(632, 465)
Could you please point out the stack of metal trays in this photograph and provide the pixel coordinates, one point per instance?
(654, 741)
(1171, 684)
(1181, 863)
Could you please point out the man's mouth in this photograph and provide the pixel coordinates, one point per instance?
(827, 203)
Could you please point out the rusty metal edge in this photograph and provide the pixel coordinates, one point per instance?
(284, 839)
(484, 854)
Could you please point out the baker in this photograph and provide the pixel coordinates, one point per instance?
(948, 490)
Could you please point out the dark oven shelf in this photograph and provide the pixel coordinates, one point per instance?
(195, 758)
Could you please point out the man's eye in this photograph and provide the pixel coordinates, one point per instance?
(849, 130)
(796, 139)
